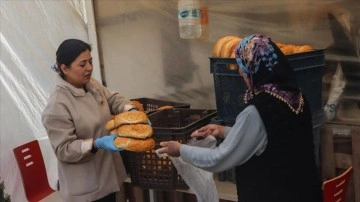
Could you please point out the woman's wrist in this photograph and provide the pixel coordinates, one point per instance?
(133, 109)
(93, 148)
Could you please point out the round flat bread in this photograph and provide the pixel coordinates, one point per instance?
(165, 107)
(110, 125)
(134, 145)
(219, 43)
(130, 117)
(140, 131)
(228, 48)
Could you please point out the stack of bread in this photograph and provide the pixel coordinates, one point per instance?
(133, 130)
(288, 49)
(225, 46)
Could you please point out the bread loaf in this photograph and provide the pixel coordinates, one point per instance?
(130, 117)
(304, 48)
(165, 107)
(114, 131)
(288, 49)
(110, 125)
(135, 145)
(218, 45)
(228, 48)
(138, 105)
(140, 131)
(225, 46)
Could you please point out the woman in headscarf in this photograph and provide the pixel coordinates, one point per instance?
(271, 143)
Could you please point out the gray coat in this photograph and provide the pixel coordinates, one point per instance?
(73, 118)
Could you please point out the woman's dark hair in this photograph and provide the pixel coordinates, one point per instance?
(68, 51)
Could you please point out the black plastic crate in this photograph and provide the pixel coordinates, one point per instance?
(149, 171)
(230, 87)
(151, 105)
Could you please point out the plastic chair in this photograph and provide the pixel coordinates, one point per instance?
(32, 170)
(334, 190)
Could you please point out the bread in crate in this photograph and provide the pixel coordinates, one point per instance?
(225, 46)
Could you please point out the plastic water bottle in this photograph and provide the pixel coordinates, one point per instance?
(189, 19)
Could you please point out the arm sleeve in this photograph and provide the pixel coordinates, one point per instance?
(117, 103)
(246, 138)
(61, 131)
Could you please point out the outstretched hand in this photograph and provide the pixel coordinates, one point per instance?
(210, 129)
(171, 148)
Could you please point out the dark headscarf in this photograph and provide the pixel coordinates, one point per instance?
(268, 70)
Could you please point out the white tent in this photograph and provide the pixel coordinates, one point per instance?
(30, 33)
(137, 51)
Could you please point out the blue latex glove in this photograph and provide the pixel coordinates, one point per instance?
(107, 143)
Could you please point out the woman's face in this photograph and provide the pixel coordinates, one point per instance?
(80, 70)
(246, 80)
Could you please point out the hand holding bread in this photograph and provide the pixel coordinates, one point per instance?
(106, 142)
(132, 130)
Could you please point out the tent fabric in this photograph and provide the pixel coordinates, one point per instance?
(140, 42)
(141, 54)
(30, 33)
(141, 46)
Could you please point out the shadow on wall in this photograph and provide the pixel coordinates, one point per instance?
(178, 65)
(178, 73)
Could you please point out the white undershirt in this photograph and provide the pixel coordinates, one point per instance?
(247, 137)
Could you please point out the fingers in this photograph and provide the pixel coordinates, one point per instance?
(164, 144)
(163, 150)
(201, 133)
(172, 148)
(203, 129)
(195, 133)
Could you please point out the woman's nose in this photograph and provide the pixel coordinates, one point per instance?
(89, 66)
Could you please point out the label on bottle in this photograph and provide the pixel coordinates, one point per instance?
(204, 15)
(189, 14)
